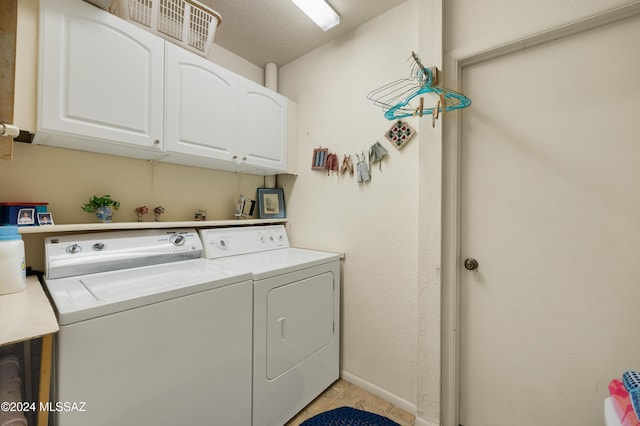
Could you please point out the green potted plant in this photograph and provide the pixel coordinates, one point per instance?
(103, 207)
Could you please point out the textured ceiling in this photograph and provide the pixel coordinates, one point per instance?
(263, 31)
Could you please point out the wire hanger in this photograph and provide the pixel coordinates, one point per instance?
(394, 98)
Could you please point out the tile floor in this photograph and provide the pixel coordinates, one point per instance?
(343, 393)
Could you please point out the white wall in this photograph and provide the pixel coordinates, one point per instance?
(373, 223)
(235, 63)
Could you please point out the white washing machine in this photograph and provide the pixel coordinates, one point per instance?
(150, 332)
(296, 317)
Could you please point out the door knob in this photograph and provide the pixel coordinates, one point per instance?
(471, 264)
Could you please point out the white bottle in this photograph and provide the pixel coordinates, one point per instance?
(13, 273)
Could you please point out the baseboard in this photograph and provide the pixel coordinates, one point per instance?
(423, 422)
(387, 396)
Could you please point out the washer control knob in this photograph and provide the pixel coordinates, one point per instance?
(177, 239)
(222, 243)
(73, 249)
(99, 246)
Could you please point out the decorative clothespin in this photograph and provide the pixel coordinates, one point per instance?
(362, 169)
(319, 160)
(377, 153)
(332, 163)
(347, 165)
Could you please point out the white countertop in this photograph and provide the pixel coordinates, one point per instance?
(26, 314)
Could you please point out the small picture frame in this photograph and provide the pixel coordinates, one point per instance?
(319, 160)
(26, 217)
(45, 219)
(271, 203)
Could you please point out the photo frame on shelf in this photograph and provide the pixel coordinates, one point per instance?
(271, 203)
(319, 160)
(26, 217)
(45, 219)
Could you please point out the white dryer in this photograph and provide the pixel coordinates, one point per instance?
(296, 319)
(150, 332)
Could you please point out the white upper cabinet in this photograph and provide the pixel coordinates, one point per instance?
(106, 85)
(100, 78)
(201, 112)
(263, 126)
(213, 114)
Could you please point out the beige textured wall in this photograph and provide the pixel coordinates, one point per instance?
(67, 178)
(373, 223)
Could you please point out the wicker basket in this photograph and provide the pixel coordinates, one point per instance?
(185, 22)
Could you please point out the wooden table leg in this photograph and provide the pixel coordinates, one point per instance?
(45, 378)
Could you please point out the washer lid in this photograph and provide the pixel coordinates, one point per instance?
(276, 262)
(90, 296)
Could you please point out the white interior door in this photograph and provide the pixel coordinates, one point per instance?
(550, 208)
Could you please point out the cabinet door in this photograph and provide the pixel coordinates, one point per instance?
(263, 127)
(201, 106)
(99, 76)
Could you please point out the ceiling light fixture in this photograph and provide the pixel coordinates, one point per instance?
(320, 12)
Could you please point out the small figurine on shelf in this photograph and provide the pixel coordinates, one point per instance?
(142, 210)
(158, 211)
(201, 215)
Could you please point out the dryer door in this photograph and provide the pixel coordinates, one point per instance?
(300, 321)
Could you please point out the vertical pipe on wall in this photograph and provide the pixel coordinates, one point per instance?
(271, 76)
(270, 82)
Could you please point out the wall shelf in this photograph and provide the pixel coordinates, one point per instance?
(114, 226)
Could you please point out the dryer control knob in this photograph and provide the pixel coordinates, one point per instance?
(222, 243)
(98, 246)
(177, 239)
